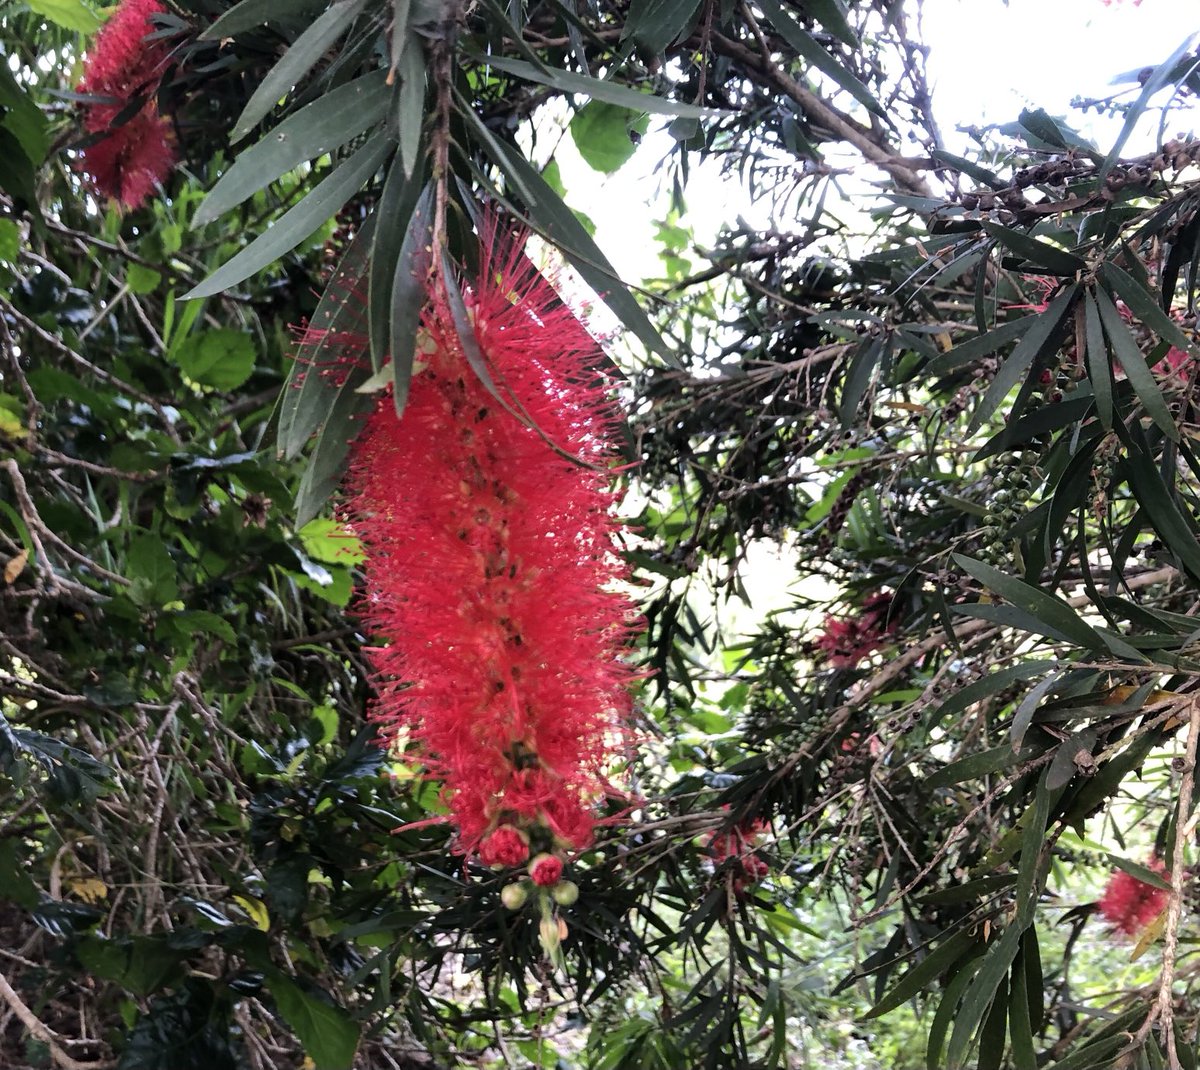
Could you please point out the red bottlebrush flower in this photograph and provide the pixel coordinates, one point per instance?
(127, 161)
(1131, 904)
(739, 843)
(546, 870)
(845, 642)
(491, 566)
(506, 846)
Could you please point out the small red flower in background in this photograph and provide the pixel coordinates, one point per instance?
(1131, 904)
(129, 159)
(546, 870)
(506, 846)
(846, 641)
(492, 570)
(739, 843)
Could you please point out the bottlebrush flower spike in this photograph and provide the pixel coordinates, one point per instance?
(130, 158)
(1131, 904)
(739, 843)
(846, 642)
(491, 567)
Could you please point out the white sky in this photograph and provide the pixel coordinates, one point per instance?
(989, 60)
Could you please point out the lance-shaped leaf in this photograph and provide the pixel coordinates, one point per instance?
(988, 685)
(410, 102)
(296, 62)
(1160, 76)
(409, 289)
(1143, 305)
(558, 224)
(312, 402)
(1036, 252)
(299, 222)
(597, 89)
(981, 345)
(317, 128)
(250, 14)
(858, 377)
(800, 39)
(961, 946)
(1140, 377)
(1144, 479)
(1057, 616)
(1041, 337)
(1099, 365)
(396, 204)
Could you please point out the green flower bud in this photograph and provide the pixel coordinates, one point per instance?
(514, 895)
(565, 893)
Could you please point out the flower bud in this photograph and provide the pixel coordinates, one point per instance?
(548, 934)
(545, 870)
(513, 895)
(565, 893)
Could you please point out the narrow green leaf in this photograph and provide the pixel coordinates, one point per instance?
(299, 222)
(800, 39)
(309, 398)
(1020, 1027)
(981, 345)
(1038, 603)
(1099, 365)
(1148, 487)
(1033, 837)
(858, 377)
(970, 167)
(987, 686)
(408, 296)
(558, 224)
(1064, 764)
(1041, 335)
(250, 14)
(296, 62)
(396, 204)
(942, 1020)
(410, 105)
(1037, 252)
(995, 1027)
(1142, 873)
(317, 128)
(960, 946)
(981, 764)
(1025, 711)
(1140, 377)
(398, 31)
(597, 89)
(980, 993)
(1142, 304)
(1159, 77)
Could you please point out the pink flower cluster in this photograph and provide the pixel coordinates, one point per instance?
(132, 153)
(1130, 904)
(847, 640)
